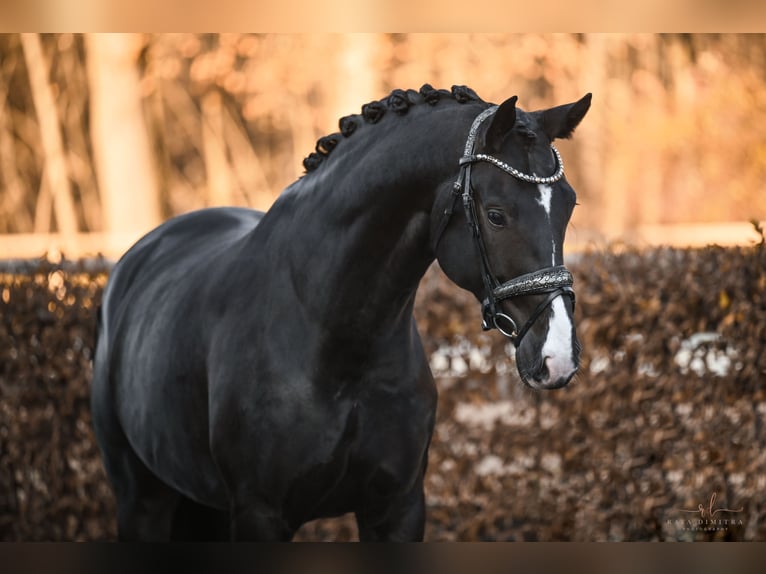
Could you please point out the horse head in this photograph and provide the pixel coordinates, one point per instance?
(499, 232)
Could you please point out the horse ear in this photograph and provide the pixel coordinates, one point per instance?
(561, 121)
(502, 122)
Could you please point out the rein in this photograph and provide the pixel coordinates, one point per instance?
(551, 281)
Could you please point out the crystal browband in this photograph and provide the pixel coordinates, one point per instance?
(515, 172)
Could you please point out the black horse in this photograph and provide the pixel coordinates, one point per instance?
(255, 371)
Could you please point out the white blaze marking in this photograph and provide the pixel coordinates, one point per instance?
(545, 198)
(546, 192)
(557, 349)
(558, 344)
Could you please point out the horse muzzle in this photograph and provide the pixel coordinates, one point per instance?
(553, 363)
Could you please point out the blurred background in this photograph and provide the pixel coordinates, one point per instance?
(660, 436)
(103, 136)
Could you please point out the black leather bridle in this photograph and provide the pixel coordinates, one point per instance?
(550, 281)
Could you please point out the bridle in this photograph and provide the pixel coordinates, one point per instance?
(550, 281)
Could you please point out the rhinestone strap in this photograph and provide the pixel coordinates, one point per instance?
(515, 172)
(541, 281)
(473, 132)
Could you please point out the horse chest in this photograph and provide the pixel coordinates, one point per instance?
(379, 454)
(320, 454)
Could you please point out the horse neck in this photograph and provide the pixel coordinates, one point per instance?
(360, 225)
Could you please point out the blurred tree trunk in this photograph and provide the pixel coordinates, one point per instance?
(214, 149)
(649, 208)
(55, 170)
(616, 109)
(600, 183)
(14, 214)
(121, 147)
(357, 74)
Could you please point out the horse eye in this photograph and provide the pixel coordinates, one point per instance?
(496, 217)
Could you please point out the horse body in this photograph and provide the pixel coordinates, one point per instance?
(265, 369)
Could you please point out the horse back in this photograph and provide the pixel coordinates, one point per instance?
(174, 247)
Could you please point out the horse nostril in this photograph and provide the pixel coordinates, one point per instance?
(544, 374)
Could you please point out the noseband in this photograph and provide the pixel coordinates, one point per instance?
(550, 281)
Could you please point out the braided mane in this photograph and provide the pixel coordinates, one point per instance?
(398, 101)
